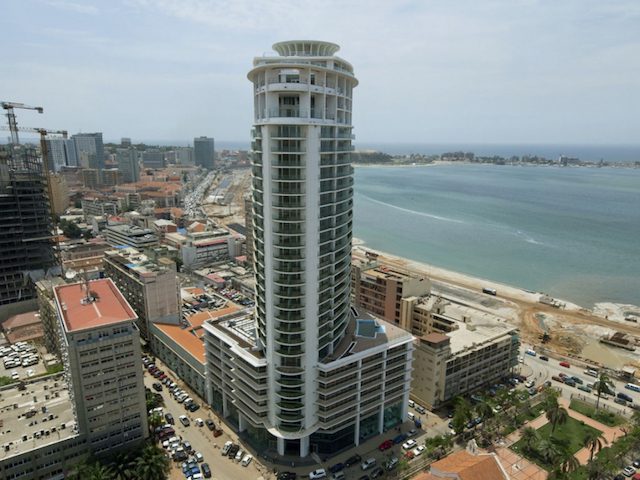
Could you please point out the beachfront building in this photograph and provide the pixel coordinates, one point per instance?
(380, 289)
(460, 350)
(310, 374)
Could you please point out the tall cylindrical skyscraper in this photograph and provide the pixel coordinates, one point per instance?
(302, 200)
(306, 372)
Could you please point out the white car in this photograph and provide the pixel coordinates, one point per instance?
(199, 422)
(199, 457)
(317, 474)
(368, 463)
(184, 420)
(418, 450)
(225, 448)
(246, 460)
(239, 455)
(409, 444)
(15, 376)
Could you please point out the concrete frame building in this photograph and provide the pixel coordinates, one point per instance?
(310, 374)
(26, 242)
(150, 287)
(153, 158)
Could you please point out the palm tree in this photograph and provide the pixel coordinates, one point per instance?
(597, 469)
(121, 467)
(484, 410)
(155, 420)
(548, 450)
(601, 386)
(594, 441)
(569, 463)
(152, 464)
(530, 438)
(556, 414)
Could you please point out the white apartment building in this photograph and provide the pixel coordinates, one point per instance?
(315, 370)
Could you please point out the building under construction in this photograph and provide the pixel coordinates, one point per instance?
(26, 244)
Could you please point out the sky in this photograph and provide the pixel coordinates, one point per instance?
(430, 71)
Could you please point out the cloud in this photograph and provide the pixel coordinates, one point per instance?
(76, 7)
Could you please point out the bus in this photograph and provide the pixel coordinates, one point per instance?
(489, 291)
(632, 386)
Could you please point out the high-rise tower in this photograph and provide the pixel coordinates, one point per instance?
(302, 197)
(320, 376)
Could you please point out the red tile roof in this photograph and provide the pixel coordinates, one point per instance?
(110, 306)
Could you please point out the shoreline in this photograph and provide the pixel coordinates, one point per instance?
(436, 163)
(608, 309)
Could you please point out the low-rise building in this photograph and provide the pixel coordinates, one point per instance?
(475, 349)
(466, 465)
(95, 207)
(132, 236)
(23, 327)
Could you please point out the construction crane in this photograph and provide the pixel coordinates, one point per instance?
(11, 116)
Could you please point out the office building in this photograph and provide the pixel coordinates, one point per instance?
(153, 159)
(98, 406)
(89, 147)
(127, 159)
(125, 141)
(184, 156)
(248, 223)
(132, 236)
(204, 152)
(98, 207)
(150, 286)
(26, 246)
(56, 153)
(460, 350)
(101, 354)
(71, 153)
(310, 372)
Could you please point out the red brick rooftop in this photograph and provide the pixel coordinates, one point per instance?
(109, 308)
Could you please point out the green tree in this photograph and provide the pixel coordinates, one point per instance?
(593, 440)
(122, 467)
(70, 229)
(153, 464)
(602, 386)
(155, 420)
(556, 414)
(597, 469)
(548, 450)
(530, 438)
(462, 414)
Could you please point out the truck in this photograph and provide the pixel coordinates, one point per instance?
(490, 291)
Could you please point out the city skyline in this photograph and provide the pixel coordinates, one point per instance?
(527, 72)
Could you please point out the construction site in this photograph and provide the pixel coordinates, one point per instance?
(26, 223)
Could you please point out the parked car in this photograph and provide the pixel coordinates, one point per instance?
(399, 438)
(246, 460)
(368, 463)
(421, 409)
(336, 467)
(287, 476)
(233, 451)
(392, 463)
(225, 448)
(628, 471)
(409, 444)
(386, 445)
(199, 457)
(157, 387)
(352, 460)
(210, 425)
(317, 474)
(418, 450)
(376, 472)
(206, 470)
(184, 420)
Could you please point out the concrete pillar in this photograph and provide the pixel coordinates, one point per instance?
(242, 426)
(304, 446)
(225, 413)
(280, 446)
(381, 419)
(356, 432)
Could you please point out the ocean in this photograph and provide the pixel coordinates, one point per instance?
(573, 233)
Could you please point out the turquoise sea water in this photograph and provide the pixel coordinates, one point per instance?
(573, 233)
